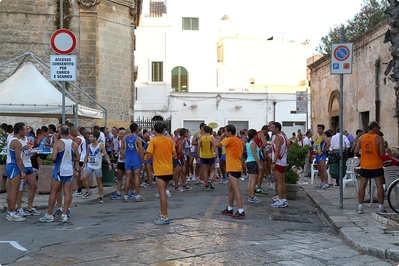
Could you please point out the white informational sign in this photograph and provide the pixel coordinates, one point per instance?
(63, 67)
(341, 58)
(301, 102)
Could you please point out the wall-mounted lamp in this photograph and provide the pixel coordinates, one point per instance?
(194, 106)
(184, 104)
(238, 106)
(218, 99)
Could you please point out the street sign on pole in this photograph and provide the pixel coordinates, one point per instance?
(301, 102)
(63, 67)
(341, 58)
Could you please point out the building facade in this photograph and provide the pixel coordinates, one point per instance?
(105, 47)
(367, 93)
(195, 66)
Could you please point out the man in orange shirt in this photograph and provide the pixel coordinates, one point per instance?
(372, 146)
(162, 150)
(234, 149)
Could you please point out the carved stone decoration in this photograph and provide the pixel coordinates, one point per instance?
(88, 3)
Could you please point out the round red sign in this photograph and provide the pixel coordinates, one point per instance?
(63, 41)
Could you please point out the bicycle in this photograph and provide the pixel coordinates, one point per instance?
(393, 195)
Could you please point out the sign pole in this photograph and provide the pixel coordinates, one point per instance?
(341, 130)
(62, 82)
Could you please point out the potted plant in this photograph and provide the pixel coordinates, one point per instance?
(45, 173)
(296, 158)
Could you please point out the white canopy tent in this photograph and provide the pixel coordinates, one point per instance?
(28, 93)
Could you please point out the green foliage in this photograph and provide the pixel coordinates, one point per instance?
(370, 15)
(296, 157)
(3, 146)
(47, 161)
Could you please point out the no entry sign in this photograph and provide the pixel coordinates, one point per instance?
(63, 41)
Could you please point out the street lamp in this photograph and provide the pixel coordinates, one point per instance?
(218, 99)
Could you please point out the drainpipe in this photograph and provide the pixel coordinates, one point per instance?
(274, 111)
(377, 91)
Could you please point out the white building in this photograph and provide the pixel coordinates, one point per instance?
(192, 53)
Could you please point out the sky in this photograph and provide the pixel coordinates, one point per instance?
(296, 20)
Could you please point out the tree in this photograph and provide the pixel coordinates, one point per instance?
(370, 15)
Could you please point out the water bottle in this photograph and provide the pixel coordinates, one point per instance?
(217, 165)
(21, 185)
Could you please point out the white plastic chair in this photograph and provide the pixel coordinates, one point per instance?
(350, 176)
(314, 171)
(390, 174)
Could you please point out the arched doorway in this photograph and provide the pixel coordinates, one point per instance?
(333, 110)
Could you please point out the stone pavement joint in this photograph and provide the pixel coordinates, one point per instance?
(362, 232)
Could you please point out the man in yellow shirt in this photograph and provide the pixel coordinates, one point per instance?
(162, 150)
(234, 149)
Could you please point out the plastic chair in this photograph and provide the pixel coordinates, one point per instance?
(314, 171)
(350, 176)
(390, 174)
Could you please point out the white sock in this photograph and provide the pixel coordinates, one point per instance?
(380, 207)
(360, 207)
(229, 208)
(240, 210)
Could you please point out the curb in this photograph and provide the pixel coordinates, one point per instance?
(368, 246)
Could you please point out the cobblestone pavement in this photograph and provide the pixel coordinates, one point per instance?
(117, 233)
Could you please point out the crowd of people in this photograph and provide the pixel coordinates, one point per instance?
(148, 157)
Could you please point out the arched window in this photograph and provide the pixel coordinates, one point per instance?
(179, 79)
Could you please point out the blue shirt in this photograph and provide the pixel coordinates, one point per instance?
(251, 157)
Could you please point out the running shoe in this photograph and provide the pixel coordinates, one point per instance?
(325, 186)
(270, 178)
(47, 218)
(143, 184)
(148, 186)
(33, 212)
(210, 184)
(381, 211)
(319, 186)
(15, 217)
(125, 198)
(186, 187)
(116, 196)
(279, 204)
(253, 200)
(87, 194)
(77, 194)
(139, 198)
(260, 191)
(101, 200)
(272, 185)
(21, 212)
(64, 218)
(69, 212)
(224, 181)
(167, 194)
(275, 198)
(206, 188)
(178, 190)
(359, 211)
(131, 195)
(171, 183)
(238, 215)
(227, 212)
(58, 212)
(161, 221)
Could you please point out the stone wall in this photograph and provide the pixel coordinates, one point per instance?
(359, 92)
(105, 38)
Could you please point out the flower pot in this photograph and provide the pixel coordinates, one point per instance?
(292, 190)
(44, 181)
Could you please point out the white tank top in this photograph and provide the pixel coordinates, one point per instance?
(95, 157)
(66, 166)
(25, 154)
(82, 148)
(282, 157)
